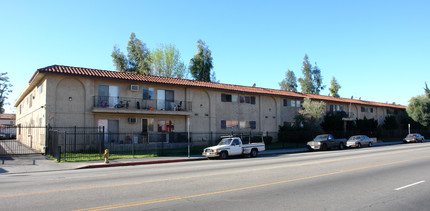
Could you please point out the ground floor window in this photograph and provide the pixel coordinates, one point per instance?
(166, 126)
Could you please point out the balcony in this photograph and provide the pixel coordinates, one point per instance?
(106, 104)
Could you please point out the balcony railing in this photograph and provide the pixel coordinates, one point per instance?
(136, 103)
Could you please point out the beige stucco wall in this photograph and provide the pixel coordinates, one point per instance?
(67, 101)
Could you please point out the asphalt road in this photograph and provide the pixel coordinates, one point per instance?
(379, 178)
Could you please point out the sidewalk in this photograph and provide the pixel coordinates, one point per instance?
(40, 163)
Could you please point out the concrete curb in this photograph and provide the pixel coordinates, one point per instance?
(138, 163)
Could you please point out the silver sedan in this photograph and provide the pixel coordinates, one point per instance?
(359, 141)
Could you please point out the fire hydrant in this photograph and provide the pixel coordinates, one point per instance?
(106, 156)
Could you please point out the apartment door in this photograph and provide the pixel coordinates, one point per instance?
(107, 96)
(113, 130)
(161, 99)
(170, 100)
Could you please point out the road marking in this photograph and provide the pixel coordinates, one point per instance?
(153, 201)
(189, 177)
(407, 186)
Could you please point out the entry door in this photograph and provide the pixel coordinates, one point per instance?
(170, 100)
(161, 99)
(113, 96)
(113, 130)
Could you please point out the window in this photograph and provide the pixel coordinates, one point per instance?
(253, 125)
(166, 126)
(331, 108)
(238, 124)
(31, 100)
(148, 93)
(226, 98)
(366, 109)
(232, 124)
(223, 124)
(247, 99)
(41, 88)
(292, 103)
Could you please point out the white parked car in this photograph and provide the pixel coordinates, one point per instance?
(233, 146)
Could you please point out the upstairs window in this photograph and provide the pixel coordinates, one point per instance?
(247, 99)
(225, 98)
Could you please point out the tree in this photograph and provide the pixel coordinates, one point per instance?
(312, 110)
(334, 88)
(312, 80)
(427, 91)
(4, 90)
(166, 61)
(201, 64)
(139, 57)
(419, 109)
(390, 123)
(290, 82)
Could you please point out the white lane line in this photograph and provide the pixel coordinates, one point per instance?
(407, 186)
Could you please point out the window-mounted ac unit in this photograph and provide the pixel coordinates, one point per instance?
(132, 120)
(134, 87)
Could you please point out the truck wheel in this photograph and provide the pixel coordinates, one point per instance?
(254, 153)
(341, 146)
(324, 147)
(223, 155)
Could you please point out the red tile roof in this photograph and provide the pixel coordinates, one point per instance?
(87, 72)
(8, 116)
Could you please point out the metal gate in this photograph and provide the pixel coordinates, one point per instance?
(19, 140)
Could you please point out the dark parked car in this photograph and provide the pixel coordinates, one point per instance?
(413, 137)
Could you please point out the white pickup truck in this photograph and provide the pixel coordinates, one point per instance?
(233, 146)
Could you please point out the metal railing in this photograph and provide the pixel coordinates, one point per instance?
(137, 103)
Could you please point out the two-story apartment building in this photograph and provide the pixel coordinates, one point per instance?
(64, 96)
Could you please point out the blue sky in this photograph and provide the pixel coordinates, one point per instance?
(377, 50)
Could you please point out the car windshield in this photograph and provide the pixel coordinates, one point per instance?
(226, 141)
(355, 138)
(319, 138)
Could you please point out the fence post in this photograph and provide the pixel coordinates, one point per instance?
(74, 141)
(132, 146)
(65, 145)
(59, 154)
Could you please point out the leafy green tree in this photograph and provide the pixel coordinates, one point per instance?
(334, 88)
(312, 110)
(367, 126)
(333, 122)
(166, 61)
(139, 57)
(312, 80)
(290, 82)
(390, 123)
(5, 86)
(419, 109)
(201, 63)
(427, 91)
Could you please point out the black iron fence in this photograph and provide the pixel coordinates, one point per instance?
(74, 144)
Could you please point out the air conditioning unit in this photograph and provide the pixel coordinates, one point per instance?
(132, 120)
(134, 87)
